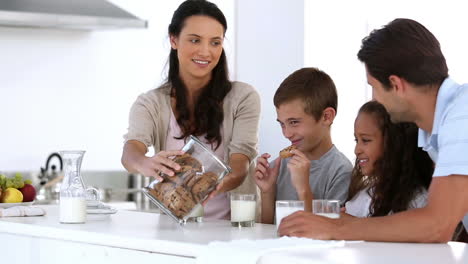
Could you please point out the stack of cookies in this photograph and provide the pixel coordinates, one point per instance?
(189, 186)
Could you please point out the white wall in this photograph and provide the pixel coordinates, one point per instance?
(65, 89)
(73, 89)
(333, 37)
(446, 21)
(270, 46)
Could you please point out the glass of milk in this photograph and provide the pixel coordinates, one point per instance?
(285, 208)
(243, 210)
(327, 208)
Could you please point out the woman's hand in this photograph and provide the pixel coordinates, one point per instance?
(219, 189)
(239, 164)
(159, 163)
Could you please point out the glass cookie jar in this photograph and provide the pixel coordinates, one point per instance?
(178, 195)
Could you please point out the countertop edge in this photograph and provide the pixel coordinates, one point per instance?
(148, 245)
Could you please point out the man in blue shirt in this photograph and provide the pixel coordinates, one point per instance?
(409, 76)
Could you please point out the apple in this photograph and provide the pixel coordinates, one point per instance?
(12, 195)
(29, 192)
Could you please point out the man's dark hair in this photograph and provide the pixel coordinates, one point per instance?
(407, 49)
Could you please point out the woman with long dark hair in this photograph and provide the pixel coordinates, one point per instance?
(197, 99)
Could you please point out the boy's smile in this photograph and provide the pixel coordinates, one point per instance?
(310, 136)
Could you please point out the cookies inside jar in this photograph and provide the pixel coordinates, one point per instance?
(199, 174)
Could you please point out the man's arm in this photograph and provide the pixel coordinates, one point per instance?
(447, 204)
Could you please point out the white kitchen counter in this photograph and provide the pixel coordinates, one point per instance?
(375, 253)
(146, 232)
(138, 238)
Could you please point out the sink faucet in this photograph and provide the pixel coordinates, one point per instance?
(49, 185)
(45, 175)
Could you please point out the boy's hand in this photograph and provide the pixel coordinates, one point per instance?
(299, 166)
(265, 177)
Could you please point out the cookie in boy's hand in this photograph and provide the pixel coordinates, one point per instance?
(286, 152)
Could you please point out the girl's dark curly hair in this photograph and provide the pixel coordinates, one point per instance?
(208, 115)
(403, 171)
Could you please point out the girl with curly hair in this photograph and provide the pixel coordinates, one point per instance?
(391, 173)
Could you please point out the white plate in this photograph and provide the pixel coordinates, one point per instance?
(93, 203)
(101, 211)
(8, 205)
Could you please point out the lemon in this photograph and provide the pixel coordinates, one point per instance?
(12, 195)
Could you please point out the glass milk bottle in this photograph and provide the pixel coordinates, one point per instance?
(72, 190)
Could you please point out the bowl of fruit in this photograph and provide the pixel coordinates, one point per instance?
(16, 191)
